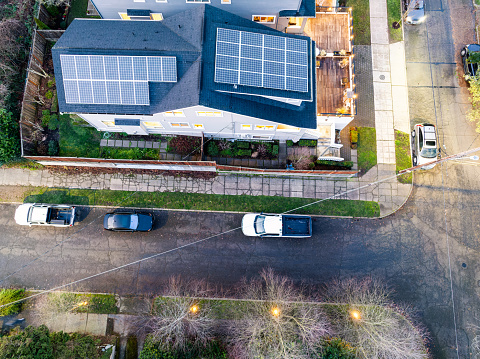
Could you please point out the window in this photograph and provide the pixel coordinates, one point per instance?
(198, 1)
(261, 137)
(109, 123)
(198, 126)
(138, 0)
(287, 128)
(270, 128)
(161, 0)
(150, 124)
(264, 19)
(226, 2)
(246, 127)
(179, 124)
(174, 114)
(259, 127)
(152, 16)
(156, 16)
(210, 113)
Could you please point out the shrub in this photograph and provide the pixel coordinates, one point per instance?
(53, 123)
(53, 10)
(242, 152)
(311, 165)
(63, 25)
(51, 82)
(275, 149)
(243, 144)
(289, 143)
(348, 164)
(8, 296)
(185, 145)
(262, 150)
(336, 348)
(53, 148)
(228, 152)
(308, 143)
(49, 94)
(212, 149)
(54, 108)
(45, 117)
(9, 136)
(224, 145)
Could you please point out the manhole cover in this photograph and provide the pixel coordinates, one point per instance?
(464, 265)
(382, 77)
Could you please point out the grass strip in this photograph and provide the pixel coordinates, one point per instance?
(200, 201)
(361, 21)
(366, 148)
(78, 9)
(78, 141)
(394, 14)
(402, 155)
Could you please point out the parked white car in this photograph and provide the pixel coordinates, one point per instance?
(37, 214)
(424, 145)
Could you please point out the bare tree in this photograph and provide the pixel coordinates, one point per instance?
(11, 32)
(276, 323)
(300, 158)
(178, 317)
(370, 321)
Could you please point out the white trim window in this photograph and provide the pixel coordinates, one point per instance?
(153, 125)
(259, 137)
(178, 113)
(138, 0)
(109, 123)
(179, 124)
(198, 126)
(264, 19)
(198, 1)
(210, 113)
(161, 1)
(157, 16)
(226, 2)
(287, 128)
(246, 127)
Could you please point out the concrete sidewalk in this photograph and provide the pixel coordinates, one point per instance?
(391, 112)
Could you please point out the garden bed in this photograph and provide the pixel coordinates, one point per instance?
(242, 149)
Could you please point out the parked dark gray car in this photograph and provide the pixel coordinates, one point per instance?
(470, 69)
(128, 221)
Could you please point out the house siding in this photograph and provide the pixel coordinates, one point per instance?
(228, 126)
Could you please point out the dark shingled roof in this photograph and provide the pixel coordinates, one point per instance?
(190, 37)
(307, 9)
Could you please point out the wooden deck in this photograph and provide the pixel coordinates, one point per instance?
(329, 31)
(330, 90)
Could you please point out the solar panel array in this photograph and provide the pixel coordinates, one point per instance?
(260, 60)
(116, 80)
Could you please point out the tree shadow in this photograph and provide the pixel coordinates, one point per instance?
(57, 197)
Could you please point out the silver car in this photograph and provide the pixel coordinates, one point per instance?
(424, 145)
(416, 12)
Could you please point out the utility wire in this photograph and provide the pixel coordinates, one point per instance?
(213, 236)
(88, 224)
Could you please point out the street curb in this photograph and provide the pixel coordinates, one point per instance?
(192, 210)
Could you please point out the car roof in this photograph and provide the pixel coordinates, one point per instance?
(473, 47)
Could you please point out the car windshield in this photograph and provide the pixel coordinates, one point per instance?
(123, 221)
(428, 152)
(259, 224)
(419, 5)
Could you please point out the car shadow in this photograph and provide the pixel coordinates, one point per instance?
(160, 219)
(81, 212)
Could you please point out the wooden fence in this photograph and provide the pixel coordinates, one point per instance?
(29, 130)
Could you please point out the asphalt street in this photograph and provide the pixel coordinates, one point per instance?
(407, 250)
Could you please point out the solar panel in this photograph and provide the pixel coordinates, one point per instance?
(261, 60)
(120, 80)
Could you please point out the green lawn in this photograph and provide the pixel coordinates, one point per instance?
(78, 140)
(394, 14)
(78, 9)
(402, 155)
(361, 21)
(198, 201)
(366, 148)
